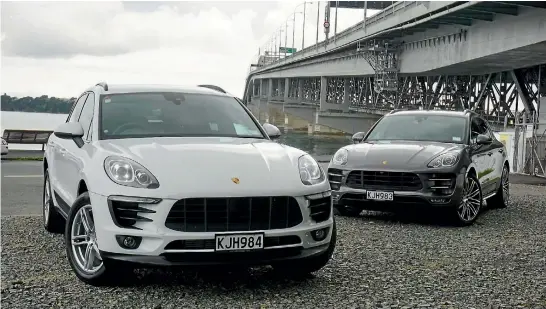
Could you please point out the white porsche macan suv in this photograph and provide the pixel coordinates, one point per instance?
(150, 175)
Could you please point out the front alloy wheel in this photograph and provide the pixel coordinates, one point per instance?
(501, 198)
(84, 241)
(82, 247)
(471, 201)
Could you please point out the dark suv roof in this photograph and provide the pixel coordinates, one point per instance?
(465, 113)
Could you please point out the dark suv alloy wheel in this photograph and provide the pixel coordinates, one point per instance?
(471, 202)
(82, 248)
(502, 197)
(53, 221)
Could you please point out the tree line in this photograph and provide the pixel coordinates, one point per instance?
(42, 104)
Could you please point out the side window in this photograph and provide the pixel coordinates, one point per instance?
(477, 127)
(75, 114)
(86, 116)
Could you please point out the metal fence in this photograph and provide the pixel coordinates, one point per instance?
(530, 146)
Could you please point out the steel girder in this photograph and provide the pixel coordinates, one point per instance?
(496, 96)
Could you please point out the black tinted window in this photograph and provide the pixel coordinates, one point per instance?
(478, 126)
(420, 127)
(174, 114)
(75, 115)
(87, 113)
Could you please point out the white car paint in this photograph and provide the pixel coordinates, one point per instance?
(185, 167)
(5, 147)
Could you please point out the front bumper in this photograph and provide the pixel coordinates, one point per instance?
(254, 258)
(158, 243)
(426, 197)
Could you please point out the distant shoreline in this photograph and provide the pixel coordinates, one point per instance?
(35, 112)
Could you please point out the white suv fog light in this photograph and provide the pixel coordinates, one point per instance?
(128, 242)
(320, 234)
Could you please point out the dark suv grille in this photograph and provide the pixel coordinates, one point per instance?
(234, 214)
(378, 180)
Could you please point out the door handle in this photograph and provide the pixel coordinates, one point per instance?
(501, 150)
(490, 154)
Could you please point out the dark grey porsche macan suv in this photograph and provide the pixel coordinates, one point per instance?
(441, 159)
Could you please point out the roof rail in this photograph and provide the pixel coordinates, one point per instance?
(213, 87)
(103, 85)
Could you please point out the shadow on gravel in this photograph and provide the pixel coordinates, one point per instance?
(432, 218)
(226, 279)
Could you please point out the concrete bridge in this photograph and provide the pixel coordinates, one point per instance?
(486, 56)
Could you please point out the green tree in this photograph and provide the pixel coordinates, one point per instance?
(42, 104)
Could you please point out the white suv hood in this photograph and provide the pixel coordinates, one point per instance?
(199, 167)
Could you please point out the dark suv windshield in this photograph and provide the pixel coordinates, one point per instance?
(434, 128)
(130, 115)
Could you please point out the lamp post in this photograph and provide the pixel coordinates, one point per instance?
(303, 23)
(294, 27)
(318, 19)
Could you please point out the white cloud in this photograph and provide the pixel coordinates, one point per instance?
(61, 48)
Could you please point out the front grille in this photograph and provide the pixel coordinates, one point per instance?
(378, 180)
(234, 214)
(320, 208)
(199, 244)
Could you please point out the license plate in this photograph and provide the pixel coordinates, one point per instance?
(379, 195)
(239, 242)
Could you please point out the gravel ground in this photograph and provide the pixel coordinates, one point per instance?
(382, 261)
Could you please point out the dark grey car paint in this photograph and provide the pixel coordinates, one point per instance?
(485, 160)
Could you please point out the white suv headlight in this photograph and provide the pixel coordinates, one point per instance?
(444, 160)
(340, 157)
(310, 172)
(127, 172)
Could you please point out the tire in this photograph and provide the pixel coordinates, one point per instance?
(104, 272)
(502, 197)
(52, 219)
(348, 211)
(471, 196)
(307, 266)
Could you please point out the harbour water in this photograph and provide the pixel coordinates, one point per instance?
(321, 142)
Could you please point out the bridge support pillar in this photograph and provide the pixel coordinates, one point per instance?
(323, 90)
(300, 90)
(346, 96)
(286, 89)
(270, 89)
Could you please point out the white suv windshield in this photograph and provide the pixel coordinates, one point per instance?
(432, 128)
(133, 115)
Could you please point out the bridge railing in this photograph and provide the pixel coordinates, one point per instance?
(32, 137)
(390, 10)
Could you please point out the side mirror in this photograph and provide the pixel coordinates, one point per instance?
(272, 130)
(357, 137)
(70, 130)
(482, 139)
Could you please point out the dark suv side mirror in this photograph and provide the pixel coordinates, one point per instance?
(357, 137)
(483, 139)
